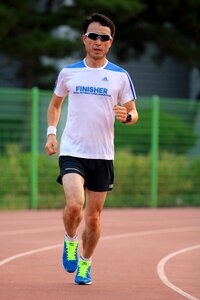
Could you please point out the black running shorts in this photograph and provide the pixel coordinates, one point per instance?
(97, 173)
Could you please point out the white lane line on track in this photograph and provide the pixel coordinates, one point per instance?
(7, 260)
(103, 238)
(35, 230)
(55, 228)
(151, 232)
(163, 277)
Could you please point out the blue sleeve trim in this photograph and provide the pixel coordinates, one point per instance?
(132, 86)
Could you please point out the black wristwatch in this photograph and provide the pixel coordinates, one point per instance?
(128, 118)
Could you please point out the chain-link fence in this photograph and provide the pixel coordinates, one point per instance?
(157, 161)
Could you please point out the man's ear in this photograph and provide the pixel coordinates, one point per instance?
(83, 38)
(111, 41)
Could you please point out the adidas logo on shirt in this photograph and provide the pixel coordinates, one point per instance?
(105, 79)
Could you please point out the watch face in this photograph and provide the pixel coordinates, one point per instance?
(129, 118)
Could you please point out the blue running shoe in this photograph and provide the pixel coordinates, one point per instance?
(70, 256)
(83, 272)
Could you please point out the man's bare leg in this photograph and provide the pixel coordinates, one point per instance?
(91, 234)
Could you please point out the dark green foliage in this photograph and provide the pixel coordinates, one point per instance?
(26, 31)
(26, 35)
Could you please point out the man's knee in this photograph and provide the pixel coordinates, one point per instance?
(93, 222)
(74, 209)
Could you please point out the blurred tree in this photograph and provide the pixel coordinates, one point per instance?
(27, 35)
(27, 31)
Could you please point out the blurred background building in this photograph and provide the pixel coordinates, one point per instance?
(169, 79)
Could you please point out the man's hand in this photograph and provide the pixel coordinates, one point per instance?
(51, 146)
(120, 113)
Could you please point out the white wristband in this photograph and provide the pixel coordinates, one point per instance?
(51, 130)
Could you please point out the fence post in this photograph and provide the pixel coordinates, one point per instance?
(34, 146)
(154, 151)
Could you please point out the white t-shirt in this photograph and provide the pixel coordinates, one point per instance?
(92, 93)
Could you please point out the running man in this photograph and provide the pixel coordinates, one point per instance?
(98, 91)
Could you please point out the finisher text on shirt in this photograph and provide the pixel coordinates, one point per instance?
(91, 90)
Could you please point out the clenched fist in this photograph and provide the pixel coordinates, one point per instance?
(51, 146)
(120, 113)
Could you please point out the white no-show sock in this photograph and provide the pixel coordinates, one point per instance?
(86, 259)
(71, 239)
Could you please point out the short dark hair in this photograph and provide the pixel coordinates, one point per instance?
(99, 18)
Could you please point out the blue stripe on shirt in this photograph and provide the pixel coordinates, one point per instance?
(112, 67)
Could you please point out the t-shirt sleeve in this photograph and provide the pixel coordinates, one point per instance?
(61, 86)
(127, 91)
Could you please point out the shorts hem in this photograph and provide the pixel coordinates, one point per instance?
(59, 178)
(99, 190)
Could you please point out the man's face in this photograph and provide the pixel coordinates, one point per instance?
(97, 49)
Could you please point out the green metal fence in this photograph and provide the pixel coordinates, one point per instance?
(157, 161)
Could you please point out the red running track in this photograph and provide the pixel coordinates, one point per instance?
(143, 254)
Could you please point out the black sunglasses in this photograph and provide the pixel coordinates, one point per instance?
(94, 36)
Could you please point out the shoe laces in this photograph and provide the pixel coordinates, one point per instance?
(71, 250)
(83, 267)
